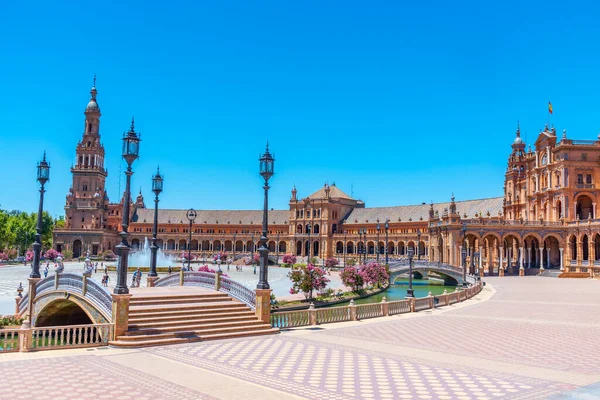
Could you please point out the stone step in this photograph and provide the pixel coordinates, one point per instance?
(185, 322)
(193, 334)
(184, 328)
(175, 296)
(162, 342)
(193, 315)
(159, 301)
(170, 308)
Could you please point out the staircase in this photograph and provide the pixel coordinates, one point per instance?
(159, 318)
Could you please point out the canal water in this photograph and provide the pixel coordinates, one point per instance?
(421, 288)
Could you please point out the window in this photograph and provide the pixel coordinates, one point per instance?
(84, 187)
(580, 179)
(82, 220)
(544, 159)
(588, 179)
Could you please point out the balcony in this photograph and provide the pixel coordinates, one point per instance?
(585, 185)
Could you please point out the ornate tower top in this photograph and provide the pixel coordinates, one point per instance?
(452, 205)
(294, 192)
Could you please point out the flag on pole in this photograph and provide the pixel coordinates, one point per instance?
(550, 107)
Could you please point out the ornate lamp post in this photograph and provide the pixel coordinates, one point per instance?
(191, 216)
(345, 246)
(309, 244)
(387, 227)
(377, 246)
(267, 164)
(252, 253)
(411, 253)
(418, 244)
(232, 251)
(365, 248)
(131, 152)
(464, 254)
(157, 187)
(43, 176)
(277, 248)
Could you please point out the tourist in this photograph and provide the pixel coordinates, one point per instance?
(170, 269)
(96, 267)
(105, 279)
(138, 278)
(46, 271)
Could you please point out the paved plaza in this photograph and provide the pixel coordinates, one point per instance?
(521, 338)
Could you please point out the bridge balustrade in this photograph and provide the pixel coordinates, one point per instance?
(9, 340)
(332, 314)
(238, 291)
(399, 307)
(423, 303)
(70, 336)
(373, 310)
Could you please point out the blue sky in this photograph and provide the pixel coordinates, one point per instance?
(399, 102)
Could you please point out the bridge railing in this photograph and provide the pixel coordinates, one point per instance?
(352, 312)
(210, 280)
(9, 340)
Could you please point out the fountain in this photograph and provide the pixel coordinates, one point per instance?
(141, 257)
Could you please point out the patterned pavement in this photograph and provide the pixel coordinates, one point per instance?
(527, 338)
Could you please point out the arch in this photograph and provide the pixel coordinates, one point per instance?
(532, 245)
(421, 249)
(596, 247)
(61, 312)
(217, 245)
(316, 229)
(194, 245)
(334, 228)
(271, 246)
(239, 245)
(391, 248)
(250, 246)
(573, 246)
(316, 248)
(205, 245)
(170, 244)
(182, 244)
(584, 208)
(401, 248)
(298, 248)
(370, 247)
(282, 246)
(350, 247)
(441, 257)
(585, 247)
(552, 252)
(159, 243)
(77, 248)
(381, 248)
(307, 229)
(307, 250)
(558, 207)
(339, 247)
(228, 245)
(135, 244)
(299, 228)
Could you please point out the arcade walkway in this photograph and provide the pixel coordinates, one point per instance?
(527, 338)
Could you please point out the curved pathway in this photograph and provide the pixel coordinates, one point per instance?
(525, 338)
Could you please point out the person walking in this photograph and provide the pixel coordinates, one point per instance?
(138, 278)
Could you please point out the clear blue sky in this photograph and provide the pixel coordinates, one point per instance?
(402, 101)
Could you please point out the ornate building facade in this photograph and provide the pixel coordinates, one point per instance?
(545, 218)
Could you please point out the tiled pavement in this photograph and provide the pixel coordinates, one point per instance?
(529, 338)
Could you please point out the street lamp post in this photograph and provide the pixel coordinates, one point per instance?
(43, 175)
(267, 164)
(191, 216)
(418, 244)
(277, 248)
(131, 152)
(377, 246)
(464, 254)
(309, 244)
(365, 248)
(387, 227)
(157, 187)
(345, 247)
(232, 250)
(411, 253)
(252, 253)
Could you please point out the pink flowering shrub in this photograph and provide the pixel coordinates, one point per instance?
(289, 259)
(184, 256)
(206, 268)
(331, 262)
(352, 278)
(29, 256)
(3, 257)
(374, 274)
(220, 256)
(307, 279)
(51, 254)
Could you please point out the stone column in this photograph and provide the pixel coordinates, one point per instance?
(501, 266)
(561, 259)
(529, 257)
(25, 337)
(32, 293)
(120, 313)
(263, 305)
(541, 259)
(150, 280)
(594, 210)
(480, 259)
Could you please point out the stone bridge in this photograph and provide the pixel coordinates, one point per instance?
(66, 297)
(448, 272)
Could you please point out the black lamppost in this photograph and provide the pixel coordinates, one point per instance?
(387, 227)
(418, 244)
(131, 152)
(464, 254)
(157, 187)
(267, 164)
(476, 255)
(191, 216)
(277, 248)
(252, 253)
(43, 176)
(232, 250)
(411, 253)
(377, 247)
(345, 247)
(365, 248)
(309, 244)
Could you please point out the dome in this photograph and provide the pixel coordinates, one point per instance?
(92, 105)
(518, 140)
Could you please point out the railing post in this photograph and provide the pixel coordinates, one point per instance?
(25, 336)
(263, 305)
(181, 277)
(312, 314)
(430, 296)
(84, 286)
(56, 280)
(412, 304)
(446, 297)
(32, 293)
(218, 280)
(500, 271)
(17, 301)
(385, 307)
(353, 313)
(151, 280)
(120, 313)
